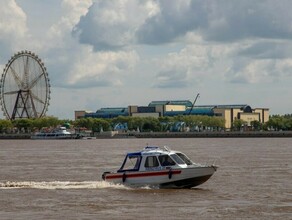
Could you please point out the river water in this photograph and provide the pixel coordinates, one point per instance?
(61, 179)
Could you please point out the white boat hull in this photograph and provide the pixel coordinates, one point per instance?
(167, 178)
(42, 137)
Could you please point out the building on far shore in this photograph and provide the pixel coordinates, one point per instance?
(183, 107)
(81, 113)
(244, 112)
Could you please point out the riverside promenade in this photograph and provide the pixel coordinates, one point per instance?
(15, 136)
(204, 134)
(229, 134)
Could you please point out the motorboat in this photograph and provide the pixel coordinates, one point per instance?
(60, 133)
(160, 167)
(88, 138)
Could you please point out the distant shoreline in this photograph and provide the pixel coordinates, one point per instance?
(14, 136)
(229, 134)
(245, 134)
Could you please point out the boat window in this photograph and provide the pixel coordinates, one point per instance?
(151, 161)
(177, 159)
(185, 158)
(132, 163)
(166, 160)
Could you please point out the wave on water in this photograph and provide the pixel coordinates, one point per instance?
(60, 185)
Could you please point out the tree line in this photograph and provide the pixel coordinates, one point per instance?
(144, 124)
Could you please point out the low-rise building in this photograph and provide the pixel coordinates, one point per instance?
(81, 114)
(156, 109)
(232, 112)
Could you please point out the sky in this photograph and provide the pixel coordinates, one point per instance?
(116, 53)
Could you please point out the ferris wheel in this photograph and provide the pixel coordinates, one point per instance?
(24, 87)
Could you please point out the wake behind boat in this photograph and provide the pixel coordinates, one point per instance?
(161, 168)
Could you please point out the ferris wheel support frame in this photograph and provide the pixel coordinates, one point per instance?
(24, 109)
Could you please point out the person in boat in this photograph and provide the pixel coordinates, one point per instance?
(166, 160)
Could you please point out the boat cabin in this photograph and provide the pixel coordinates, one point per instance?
(154, 158)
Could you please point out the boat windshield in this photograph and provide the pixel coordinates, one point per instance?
(131, 163)
(177, 159)
(166, 160)
(185, 158)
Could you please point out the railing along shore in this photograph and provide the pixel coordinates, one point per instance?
(204, 134)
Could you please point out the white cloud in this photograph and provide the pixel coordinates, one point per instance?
(192, 65)
(111, 25)
(110, 47)
(59, 33)
(218, 20)
(232, 20)
(11, 13)
(261, 71)
(173, 20)
(101, 69)
(13, 29)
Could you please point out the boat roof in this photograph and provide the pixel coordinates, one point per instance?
(152, 150)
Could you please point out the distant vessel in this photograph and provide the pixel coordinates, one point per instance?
(60, 133)
(88, 138)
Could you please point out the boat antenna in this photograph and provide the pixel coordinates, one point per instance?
(166, 148)
(198, 95)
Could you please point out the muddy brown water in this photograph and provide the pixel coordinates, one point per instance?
(61, 179)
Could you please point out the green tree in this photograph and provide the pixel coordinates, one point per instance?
(237, 124)
(135, 123)
(23, 123)
(151, 124)
(5, 125)
(84, 123)
(288, 124)
(256, 125)
(218, 123)
(121, 119)
(166, 123)
(276, 123)
(100, 124)
(45, 122)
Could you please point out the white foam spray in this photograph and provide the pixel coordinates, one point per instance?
(60, 185)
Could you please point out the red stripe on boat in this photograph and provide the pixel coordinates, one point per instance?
(132, 175)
